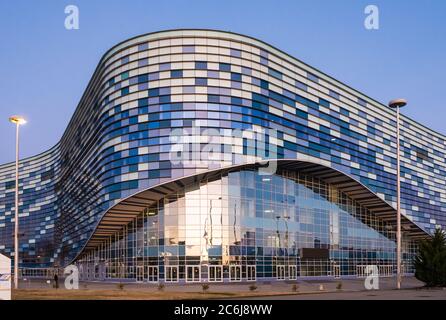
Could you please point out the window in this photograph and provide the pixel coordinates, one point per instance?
(143, 78)
(201, 65)
(124, 75)
(324, 102)
(213, 98)
(154, 76)
(47, 175)
(143, 62)
(333, 94)
(274, 73)
(176, 73)
(10, 185)
(236, 53)
(236, 76)
(143, 46)
(246, 71)
(312, 77)
(213, 74)
(225, 67)
(165, 99)
(362, 102)
(124, 91)
(344, 111)
(125, 60)
(164, 66)
(264, 84)
(201, 82)
(422, 154)
(301, 85)
(154, 92)
(188, 49)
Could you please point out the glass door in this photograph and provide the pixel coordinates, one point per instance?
(193, 273)
(251, 273)
(171, 274)
(336, 271)
(235, 273)
(139, 274)
(215, 273)
(280, 272)
(293, 272)
(153, 273)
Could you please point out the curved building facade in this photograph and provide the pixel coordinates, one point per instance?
(203, 155)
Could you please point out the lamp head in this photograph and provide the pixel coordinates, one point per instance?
(17, 120)
(397, 103)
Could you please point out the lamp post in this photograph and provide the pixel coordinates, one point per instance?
(17, 120)
(397, 104)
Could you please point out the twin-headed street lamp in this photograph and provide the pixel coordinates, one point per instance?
(17, 120)
(397, 104)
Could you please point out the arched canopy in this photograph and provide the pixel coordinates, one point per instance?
(127, 209)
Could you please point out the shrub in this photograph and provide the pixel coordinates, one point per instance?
(161, 287)
(120, 286)
(430, 261)
(205, 287)
(253, 287)
(339, 286)
(294, 288)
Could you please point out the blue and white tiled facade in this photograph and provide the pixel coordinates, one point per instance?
(117, 142)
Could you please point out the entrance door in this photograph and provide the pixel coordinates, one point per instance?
(153, 273)
(280, 272)
(235, 273)
(139, 274)
(215, 273)
(193, 273)
(336, 271)
(251, 273)
(171, 274)
(293, 272)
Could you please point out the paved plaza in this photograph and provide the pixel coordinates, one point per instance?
(306, 289)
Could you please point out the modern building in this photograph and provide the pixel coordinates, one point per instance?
(161, 172)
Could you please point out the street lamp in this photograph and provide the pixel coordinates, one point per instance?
(17, 120)
(397, 104)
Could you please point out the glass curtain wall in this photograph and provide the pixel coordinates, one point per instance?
(244, 226)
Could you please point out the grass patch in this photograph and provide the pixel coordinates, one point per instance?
(117, 294)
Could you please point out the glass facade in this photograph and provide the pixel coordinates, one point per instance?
(244, 226)
(118, 144)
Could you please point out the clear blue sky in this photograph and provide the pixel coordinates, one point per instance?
(44, 68)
